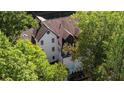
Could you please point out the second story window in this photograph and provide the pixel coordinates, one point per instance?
(53, 40)
(53, 49)
(42, 42)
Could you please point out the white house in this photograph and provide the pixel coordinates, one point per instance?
(48, 41)
(50, 44)
(53, 33)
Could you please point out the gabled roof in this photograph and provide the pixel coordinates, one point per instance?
(43, 29)
(63, 26)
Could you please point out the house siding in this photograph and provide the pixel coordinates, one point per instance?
(48, 44)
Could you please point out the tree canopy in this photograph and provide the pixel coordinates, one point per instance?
(101, 44)
(13, 23)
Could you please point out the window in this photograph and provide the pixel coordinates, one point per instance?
(53, 57)
(53, 40)
(48, 32)
(42, 42)
(53, 49)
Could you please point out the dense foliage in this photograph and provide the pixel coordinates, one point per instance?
(13, 23)
(25, 61)
(101, 44)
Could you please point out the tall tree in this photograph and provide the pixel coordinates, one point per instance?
(13, 23)
(13, 64)
(101, 44)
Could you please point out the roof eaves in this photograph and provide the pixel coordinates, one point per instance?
(41, 37)
(50, 29)
(68, 32)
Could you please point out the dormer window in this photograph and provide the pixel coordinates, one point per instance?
(48, 32)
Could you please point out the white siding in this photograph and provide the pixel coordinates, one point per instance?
(47, 46)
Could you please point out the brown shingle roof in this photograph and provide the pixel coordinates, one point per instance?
(63, 26)
(43, 29)
(41, 32)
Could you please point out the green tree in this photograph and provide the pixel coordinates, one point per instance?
(101, 44)
(25, 61)
(13, 23)
(113, 66)
(71, 49)
(13, 64)
(56, 72)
